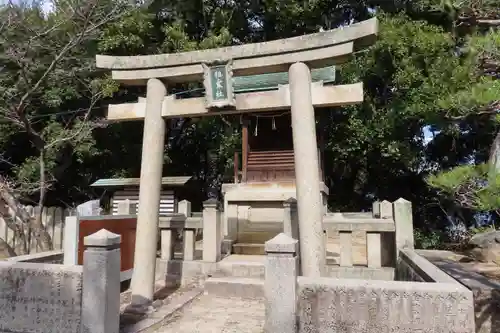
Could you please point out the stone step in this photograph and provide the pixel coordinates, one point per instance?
(235, 287)
(248, 269)
(249, 248)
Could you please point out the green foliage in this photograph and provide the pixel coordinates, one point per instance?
(429, 68)
(480, 230)
(470, 186)
(49, 89)
(427, 240)
(176, 39)
(130, 35)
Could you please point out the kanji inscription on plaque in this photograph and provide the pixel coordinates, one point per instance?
(218, 81)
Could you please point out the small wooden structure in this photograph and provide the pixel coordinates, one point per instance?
(174, 189)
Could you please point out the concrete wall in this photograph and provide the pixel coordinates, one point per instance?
(424, 300)
(357, 306)
(50, 298)
(413, 267)
(40, 298)
(486, 290)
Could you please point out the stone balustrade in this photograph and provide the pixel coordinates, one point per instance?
(388, 227)
(183, 222)
(180, 222)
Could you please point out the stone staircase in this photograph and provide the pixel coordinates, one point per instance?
(238, 276)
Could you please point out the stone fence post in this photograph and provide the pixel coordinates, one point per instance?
(189, 236)
(382, 210)
(70, 242)
(280, 285)
(291, 222)
(212, 237)
(403, 220)
(385, 240)
(291, 219)
(101, 283)
(376, 209)
(184, 207)
(126, 207)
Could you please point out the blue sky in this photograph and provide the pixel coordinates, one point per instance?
(428, 136)
(46, 4)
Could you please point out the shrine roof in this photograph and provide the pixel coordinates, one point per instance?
(120, 182)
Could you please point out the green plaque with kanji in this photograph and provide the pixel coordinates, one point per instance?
(219, 85)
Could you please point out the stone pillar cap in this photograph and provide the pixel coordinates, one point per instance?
(211, 203)
(282, 244)
(102, 238)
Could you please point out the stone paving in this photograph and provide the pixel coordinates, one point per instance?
(210, 314)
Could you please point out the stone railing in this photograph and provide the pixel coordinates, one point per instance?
(318, 304)
(54, 298)
(379, 237)
(387, 228)
(187, 225)
(180, 223)
(184, 222)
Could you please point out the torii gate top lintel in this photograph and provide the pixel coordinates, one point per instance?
(217, 67)
(316, 50)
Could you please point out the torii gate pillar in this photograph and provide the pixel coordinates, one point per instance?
(153, 144)
(309, 201)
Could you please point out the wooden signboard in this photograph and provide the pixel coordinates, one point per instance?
(126, 227)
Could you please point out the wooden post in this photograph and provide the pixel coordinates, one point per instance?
(244, 149)
(236, 167)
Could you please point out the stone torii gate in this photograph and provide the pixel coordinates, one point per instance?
(216, 67)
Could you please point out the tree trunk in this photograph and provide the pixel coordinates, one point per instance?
(19, 221)
(494, 162)
(6, 251)
(41, 235)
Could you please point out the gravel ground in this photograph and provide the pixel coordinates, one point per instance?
(210, 314)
